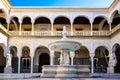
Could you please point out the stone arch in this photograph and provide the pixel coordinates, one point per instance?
(85, 16)
(4, 12)
(2, 59)
(26, 23)
(101, 59)
(13, 51)
(38, 63)
(59, 22)
(42, 17)
(81, 23)
(82, 56)
(116, 51)
(100, 23)
(3, 22)
(112, 14)
(114, 47)
(115, 19)
(14, 21)
(42, 24)
(103, 16)
(25, 17)
(68, 20)
(25, 60)
(101, 45)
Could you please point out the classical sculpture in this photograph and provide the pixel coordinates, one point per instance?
(8, 59)
(64, 58)
(112, 60)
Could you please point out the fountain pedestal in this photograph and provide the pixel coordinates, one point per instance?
(64, 71)
(65, 46)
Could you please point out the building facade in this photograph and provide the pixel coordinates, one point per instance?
(27, 31)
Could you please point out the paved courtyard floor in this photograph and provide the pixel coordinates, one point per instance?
(37, 77)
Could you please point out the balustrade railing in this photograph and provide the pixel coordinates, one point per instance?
(100, 33)
(42, 33)
(59, 33)
(13, 33)
(82, 33)
(3, 28)
(115, 29)
(26, 33)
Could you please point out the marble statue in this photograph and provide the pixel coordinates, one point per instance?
(64, 32)
(8, 59)
(64, 58)
(112, 60)
(8, 68)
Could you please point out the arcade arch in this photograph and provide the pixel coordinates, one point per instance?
(116, 51)
(101, 60)
(2, 60)
(41, 57)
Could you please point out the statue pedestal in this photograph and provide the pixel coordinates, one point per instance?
(8, 69)
(110, 69)
(64, 71)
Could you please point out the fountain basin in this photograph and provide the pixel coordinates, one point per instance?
(64, 71)
(64, 44)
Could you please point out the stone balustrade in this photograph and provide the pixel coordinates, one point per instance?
(82, 33)
(115, 29)
(59, 33)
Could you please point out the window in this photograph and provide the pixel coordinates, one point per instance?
(26, 63)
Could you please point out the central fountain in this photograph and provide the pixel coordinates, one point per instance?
(65, 46)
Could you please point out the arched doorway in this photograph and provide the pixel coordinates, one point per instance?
(2, 60)
(117, 54)
(13, 51)
(44, 59)
(82, 56)
(101, 60)
(41, 58)
(25, 60)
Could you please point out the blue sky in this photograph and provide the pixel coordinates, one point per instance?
(81, 3)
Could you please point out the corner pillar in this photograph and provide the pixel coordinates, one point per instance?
(112, 62)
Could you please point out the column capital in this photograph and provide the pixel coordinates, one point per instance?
(109, 21)
(52, 53)
(8, 21)
(91, 21)
(32, 21)
(72, 54)
(92, 54)
(20, 21)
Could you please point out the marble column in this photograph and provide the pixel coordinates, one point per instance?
(19, 64)
(20, 28)
(91, 28)
(51, 57)
(110, 26)
(51, 28)
(31, 64)
(92, 62)
(32, 28)
(72, 54)
(71, 29)
(8, 25)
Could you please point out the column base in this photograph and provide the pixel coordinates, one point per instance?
(110, 69)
